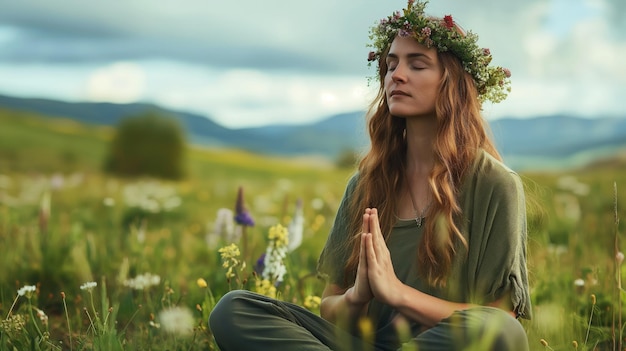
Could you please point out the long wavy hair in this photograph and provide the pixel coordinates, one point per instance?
(461, 132)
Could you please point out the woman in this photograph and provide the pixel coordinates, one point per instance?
(428, 245)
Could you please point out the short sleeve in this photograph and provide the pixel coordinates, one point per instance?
(497, 255)
(336, 251)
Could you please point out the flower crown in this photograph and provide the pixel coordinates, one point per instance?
(493, 83)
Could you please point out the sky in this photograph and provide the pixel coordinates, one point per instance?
(251, 63)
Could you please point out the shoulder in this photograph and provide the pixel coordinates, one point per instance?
(489, 174)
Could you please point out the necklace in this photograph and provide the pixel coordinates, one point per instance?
(419, 216)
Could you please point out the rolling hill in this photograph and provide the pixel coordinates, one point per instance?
(542, 142)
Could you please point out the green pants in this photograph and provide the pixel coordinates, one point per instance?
(243, 320)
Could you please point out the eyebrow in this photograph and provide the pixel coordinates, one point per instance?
(410, 56)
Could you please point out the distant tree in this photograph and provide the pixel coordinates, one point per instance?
(148, 144)
(347, 159)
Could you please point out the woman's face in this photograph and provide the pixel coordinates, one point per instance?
(412, 79)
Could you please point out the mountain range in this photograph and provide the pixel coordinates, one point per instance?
(544, 142)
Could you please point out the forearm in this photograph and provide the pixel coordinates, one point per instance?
(341, 310)
(429, 310)
(425, 309)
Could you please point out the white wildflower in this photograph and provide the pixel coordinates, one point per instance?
(26, 290)
(296, 228)
(619, 257)
(177, 320)
(108, 201)
(579, 282)
(42, 316)
(317, 204)
(223, 228)
(143, 281)
(88, 286)
(275, 254)
(151, 196)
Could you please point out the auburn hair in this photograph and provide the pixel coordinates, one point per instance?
(461, 132)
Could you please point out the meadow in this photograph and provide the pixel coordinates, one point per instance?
(95, 262)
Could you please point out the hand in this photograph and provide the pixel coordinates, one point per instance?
(382, 278)
(361, 292)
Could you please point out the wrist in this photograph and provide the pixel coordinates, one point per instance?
(351, 299)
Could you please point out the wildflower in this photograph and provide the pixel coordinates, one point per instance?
(276, 251)
(486, 51)
(13, 324)
(260, 264)
(312, 302)
(26, 290)
(426, 32)
(177, 320)
(242, 216)
(230, 259)
(579, 282)
(575, 344)
(143, 281)
(371, 56)
(619, 257)
(88, 286)
(201, 283)
(265, 287)
(593, 299)
(223, 228)
(507, 72)
(448, 21)
(544, 342)
(42, 316)
(296, 228)
(151, 197)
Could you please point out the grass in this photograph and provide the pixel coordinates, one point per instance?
(63, 223)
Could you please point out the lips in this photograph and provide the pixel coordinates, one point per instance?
(398, 93)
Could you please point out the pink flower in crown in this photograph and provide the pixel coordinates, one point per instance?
(486, 51)
(371, 56)
(507, 72)
(426, 32)
(448, 21)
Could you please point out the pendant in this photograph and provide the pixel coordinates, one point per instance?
(418, 221)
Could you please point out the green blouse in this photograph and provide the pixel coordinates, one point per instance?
(493, 223)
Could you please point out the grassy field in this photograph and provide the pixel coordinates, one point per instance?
(152, 247)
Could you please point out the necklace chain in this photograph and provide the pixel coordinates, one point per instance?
(419, 216)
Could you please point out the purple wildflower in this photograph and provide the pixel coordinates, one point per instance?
(404, 33)
(260, 265)
(242, 216)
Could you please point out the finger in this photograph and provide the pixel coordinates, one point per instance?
(369, 250)
(365, 228)
(374, 225)
(363, 253)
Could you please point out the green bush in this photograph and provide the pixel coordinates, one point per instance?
(148, 144)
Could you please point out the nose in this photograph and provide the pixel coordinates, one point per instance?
(399, 74)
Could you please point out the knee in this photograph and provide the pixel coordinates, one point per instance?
(509, 333)
(221, 317)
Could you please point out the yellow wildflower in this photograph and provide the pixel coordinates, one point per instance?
(265, 287)
(312, 302)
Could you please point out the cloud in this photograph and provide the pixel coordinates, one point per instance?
(251, 63)
(121, 82)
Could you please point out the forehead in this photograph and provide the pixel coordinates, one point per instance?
(402, 46)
